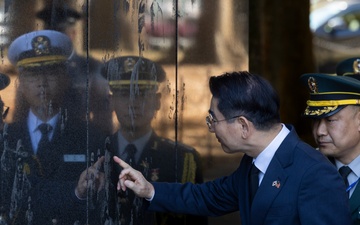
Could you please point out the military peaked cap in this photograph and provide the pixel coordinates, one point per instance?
(122, 72)
(40, 48)
(329, 94)
(349, 67)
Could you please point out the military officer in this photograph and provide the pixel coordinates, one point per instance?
(334, 107)
(43, 151)
(134, 82)
(351, 68)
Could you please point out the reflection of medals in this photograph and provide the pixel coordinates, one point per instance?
(155, 174)
(145, 164)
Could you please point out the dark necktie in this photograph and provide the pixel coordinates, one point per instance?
(130, 151)
(344, 172)
(128, 213)
(43, 146)
(253, 181)
(44, 140)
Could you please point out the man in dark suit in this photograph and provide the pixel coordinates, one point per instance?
(281, 180)
(134, 82)
(336, 129)
(43, 151)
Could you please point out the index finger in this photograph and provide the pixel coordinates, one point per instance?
(121, 162)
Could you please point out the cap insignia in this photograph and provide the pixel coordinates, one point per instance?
(129, 64)
(356, 66)
(41, 45)
(312, 85)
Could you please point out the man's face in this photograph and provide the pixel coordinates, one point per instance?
(135, 110)
(40, 88)
(339, 135)
(226, 131)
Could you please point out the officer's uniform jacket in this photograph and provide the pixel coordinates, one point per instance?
(51, 190)
(163, 161)
(355, 206)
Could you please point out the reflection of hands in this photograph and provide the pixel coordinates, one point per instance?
(134, 180)
(89, 177)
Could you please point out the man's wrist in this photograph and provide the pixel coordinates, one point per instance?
(152, 196)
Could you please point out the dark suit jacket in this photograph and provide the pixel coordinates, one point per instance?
(300, 186)
(163, 160)
(51, 189)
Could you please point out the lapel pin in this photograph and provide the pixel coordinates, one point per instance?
(276, 184)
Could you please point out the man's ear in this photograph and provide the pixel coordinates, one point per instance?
(245, 126)
(357, 118)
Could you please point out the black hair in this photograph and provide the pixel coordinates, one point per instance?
(246, 94)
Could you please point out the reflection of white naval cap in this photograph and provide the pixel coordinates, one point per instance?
(40, 48)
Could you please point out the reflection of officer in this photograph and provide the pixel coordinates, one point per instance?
(63, 19)
(43, 151)
(134, 83)
(334, 107)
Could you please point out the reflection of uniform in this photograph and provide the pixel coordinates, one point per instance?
(51, 190)
(136, 81)
(165, 161)
(39, 190)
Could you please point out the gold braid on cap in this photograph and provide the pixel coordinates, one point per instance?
(333, 102)
(318, 112)
(41, 60)
(120, 83)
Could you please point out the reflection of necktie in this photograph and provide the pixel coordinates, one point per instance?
(44, 140)
(253, 181)
(131, 151)
(344, 172)
(43, 146)
(128, 213)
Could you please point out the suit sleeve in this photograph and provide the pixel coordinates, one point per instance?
(213, 198)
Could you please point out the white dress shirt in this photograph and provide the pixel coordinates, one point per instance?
(33, 122)
(263, 160)
(354, 176)
(139, 144)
